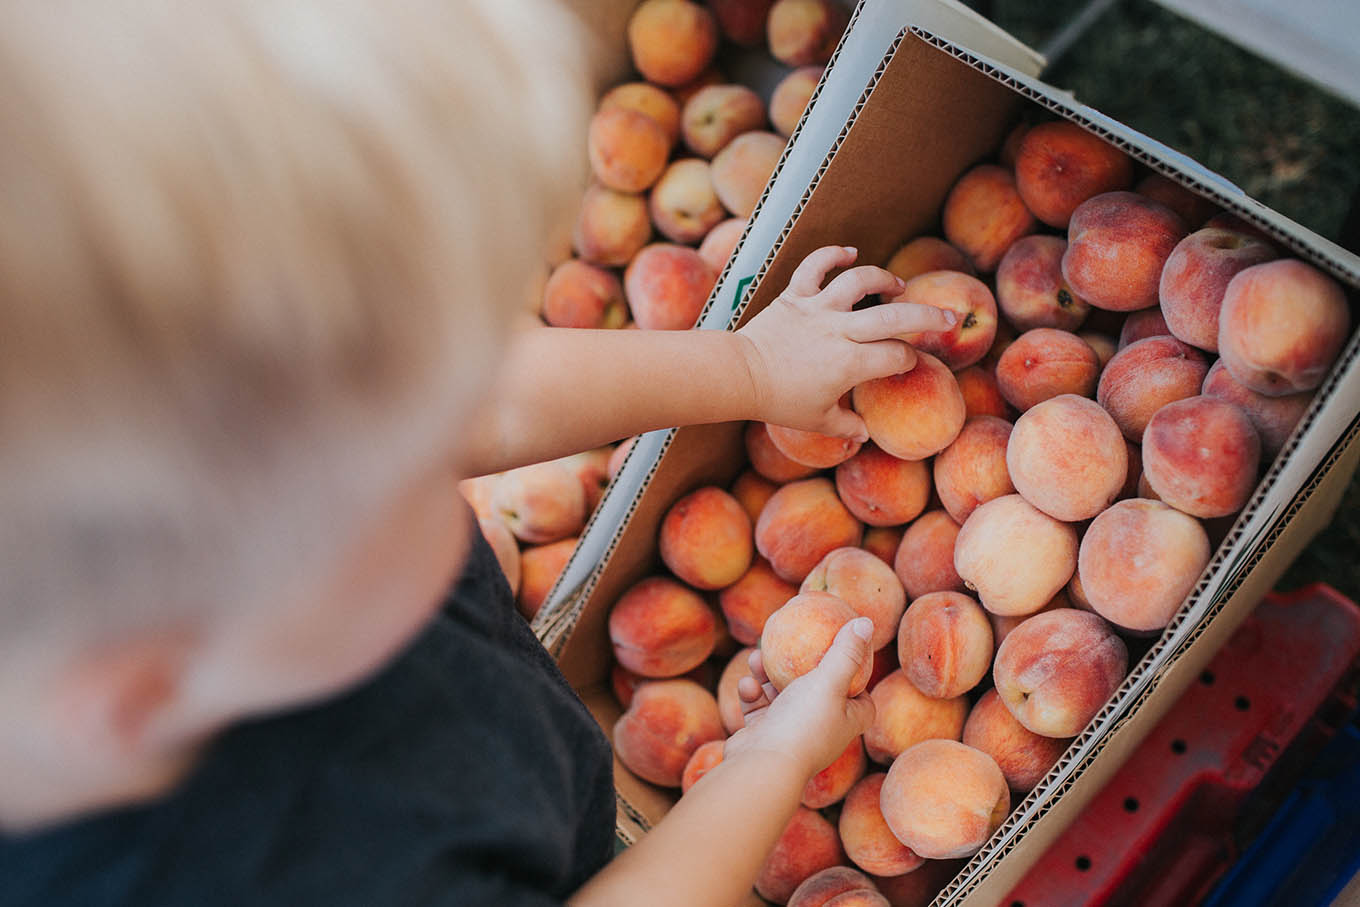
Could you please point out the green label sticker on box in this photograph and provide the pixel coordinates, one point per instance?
(741, 288)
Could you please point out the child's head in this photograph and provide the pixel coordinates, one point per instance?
(256, 261)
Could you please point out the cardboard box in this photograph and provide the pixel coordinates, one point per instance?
(926, 113)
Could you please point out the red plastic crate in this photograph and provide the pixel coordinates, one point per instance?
(1164, 829)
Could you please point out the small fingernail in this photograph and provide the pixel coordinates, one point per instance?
(901, 284)
(861, 437)
(863, 627)
(949, 317)
(850, 250)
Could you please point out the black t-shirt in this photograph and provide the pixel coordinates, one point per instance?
(467, 772)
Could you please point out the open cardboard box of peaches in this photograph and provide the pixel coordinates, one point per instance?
(1064, 508)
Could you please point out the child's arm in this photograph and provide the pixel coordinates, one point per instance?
(711, 845)
(561, 391)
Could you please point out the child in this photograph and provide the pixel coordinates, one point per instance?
(253, 261)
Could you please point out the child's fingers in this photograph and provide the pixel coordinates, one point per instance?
(853, 285)
(849, 650)
(895, 319)
(861, 711)
(808, 276)
(880, 359)
(757, 666)
(753, 696)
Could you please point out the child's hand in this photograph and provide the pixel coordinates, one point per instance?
(812, 720)
(808, 348)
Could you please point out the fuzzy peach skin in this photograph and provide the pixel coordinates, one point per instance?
(752, 491)
(667, 286)
(1056, 670)
(927, 253)
(1281, 327)
(672, 41)
(683, 205)
(539, 568)
(832, 783)
(820, 889)
(1023, 756)
(983, 215)
(592, 468)
(543, 502)
(882, 490)
(805, 32)
(1068, 458)
(1002, 626)
(860, 897)
(974, 310)
(625, 683)
(1117, 244)
(741, 21)
(904, 716)
(1200, 455)
(797, 636)
(649, 100)
(812, 448)
(1015, 556)
(660, 628)
(801, 524)
(1193, 209)
(1145, 376)
(972, 470)
(767, 460)
(1138, 562)
(718, 245)
(506, 549)
(1274, 418)
(913, 415)
(705, 757)
(1030, 288)
(611, 226)
(865, 835)
(1043, 363)
(944, 799)
(866, 584)
(1142, 324)
(729, 702)
(1059, 165)
(1196, 276)
(1105, 347)
(667, 721)
(1135, 453)
(580, 295)
(711, 75)
(944, 644)
(743, 167)
(791, 98)
(749, 602)
(981, 394)
(925, 559)
(808, 845)
(882, 542)
(628, 149)
(705, 539)
(717, 114)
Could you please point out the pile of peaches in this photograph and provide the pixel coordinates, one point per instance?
(1039, 494)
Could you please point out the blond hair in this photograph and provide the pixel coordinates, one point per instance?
(255, 259)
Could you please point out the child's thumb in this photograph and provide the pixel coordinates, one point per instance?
(848, 656)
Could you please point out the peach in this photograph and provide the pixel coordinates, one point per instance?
(1044, 363)
(592, 468)
(625, 683)
(649, 100)
(683, 205)
(1015, 556)
(667, 286)
(832, 783)
(1223, 220)
(1138, 562)
(974, 311)
(1200, 455)
(1059, 165)
(717, 247)
(983, 215)
(767, 460)
(1130, 489)
(805, 32)
(1005, 336)
(885, 662)
(717, 114)
(801, 524)
(672, 41)
(944, 799)
(711, 75)
(882, 542)
(1274, 418)
(1117, 244)
(797, 636)
(860, 897)
(1010, 145)
(504, 546)
(866, 584)
(882, 490)
(926, 253)
(705, 758)
(743, 167)
(820, 889)
(753, 491)
(791, 97)
(904, 716)
(1056, 670)
(972, 470)
(1281, 327)
(540, 566)
(919, 887)
(807, 845)
(660, 628)
(981, 393)
(1192, 209)
(749, 602)
(1105, 347)
(741, 21)
(729, 703)
(944, 644)
(865, 835)
(619, 455)
(1002, 626)
(1141, 325)
(667, 721)
(1076, 593)
(1144, 377)
(705, 539)
(540, 503)
(1196, 276)
(915, 414)
(1030, 288)
(1023, 756)
(812, 448)
(925, 559)
(580, 295)
(1068, 458)
(628, 149)
(611, 227)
